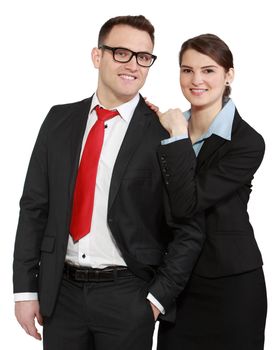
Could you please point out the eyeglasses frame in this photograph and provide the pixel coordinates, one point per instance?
(113, 49)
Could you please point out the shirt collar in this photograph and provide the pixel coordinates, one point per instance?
(125, 110)
(222, 123)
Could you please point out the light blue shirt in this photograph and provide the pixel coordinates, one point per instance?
(220, 126)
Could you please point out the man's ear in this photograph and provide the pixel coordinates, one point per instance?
(96, 56)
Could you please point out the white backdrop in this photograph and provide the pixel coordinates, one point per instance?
(45, 60)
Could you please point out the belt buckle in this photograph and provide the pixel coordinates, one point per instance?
(81, 275)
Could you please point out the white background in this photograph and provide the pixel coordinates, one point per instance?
(45, 60)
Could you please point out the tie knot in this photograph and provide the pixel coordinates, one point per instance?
(105, 114)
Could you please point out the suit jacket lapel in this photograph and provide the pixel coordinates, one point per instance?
(211, 145)
(134, 135)
(214, 142)
(79, 117)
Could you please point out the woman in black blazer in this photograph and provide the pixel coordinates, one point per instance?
(208, 165)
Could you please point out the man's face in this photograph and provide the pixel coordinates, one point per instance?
(120, 82)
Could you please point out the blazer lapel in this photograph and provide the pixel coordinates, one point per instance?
(134, 135)
(79, 117)
(214, 142)
(210, 146)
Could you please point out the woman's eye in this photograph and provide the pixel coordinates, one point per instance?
(208, 71)
(186, 70)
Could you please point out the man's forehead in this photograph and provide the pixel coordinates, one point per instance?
(130, 38)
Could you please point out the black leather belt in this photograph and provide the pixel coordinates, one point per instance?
(88, 274)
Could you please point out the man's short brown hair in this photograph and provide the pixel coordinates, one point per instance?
(139, 22)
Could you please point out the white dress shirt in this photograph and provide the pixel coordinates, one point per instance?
(98, 248)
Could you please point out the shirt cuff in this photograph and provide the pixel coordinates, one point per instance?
(156, 303)
(25, 296)
(173, 139)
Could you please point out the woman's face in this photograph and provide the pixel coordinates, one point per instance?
(202, 80)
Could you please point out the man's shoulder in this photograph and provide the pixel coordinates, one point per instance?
(72, 106)
(152, 119)
(62, 112)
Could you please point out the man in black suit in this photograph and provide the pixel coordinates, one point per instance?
(106, 286)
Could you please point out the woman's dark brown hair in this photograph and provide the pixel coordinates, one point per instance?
(212, 46)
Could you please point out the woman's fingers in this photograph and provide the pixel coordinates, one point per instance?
(151, 105)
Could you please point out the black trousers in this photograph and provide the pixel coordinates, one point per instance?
(226, 313)
(101, 316)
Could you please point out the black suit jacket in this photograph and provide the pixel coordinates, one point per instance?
(154, 247)
(218, 182)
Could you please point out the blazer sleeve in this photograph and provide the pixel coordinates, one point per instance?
(32, 217)
(182, 253)
(192, 192)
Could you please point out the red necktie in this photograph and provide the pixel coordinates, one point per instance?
(84, 192)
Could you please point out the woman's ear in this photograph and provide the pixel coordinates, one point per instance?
(230, 76)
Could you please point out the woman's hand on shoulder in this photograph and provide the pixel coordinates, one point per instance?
(172, 120)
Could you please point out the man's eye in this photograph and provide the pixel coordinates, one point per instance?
(121, 53)
(145, 58)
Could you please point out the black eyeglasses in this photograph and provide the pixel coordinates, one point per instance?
(123, 55)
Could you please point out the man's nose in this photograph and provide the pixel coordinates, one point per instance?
(132, 64)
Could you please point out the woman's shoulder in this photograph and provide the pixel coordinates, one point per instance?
(244, 133)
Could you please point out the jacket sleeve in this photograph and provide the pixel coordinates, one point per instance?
(182, 253)
(32, 217)
(190, 192)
